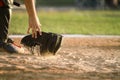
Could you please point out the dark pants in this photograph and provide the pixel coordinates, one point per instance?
(4, 23)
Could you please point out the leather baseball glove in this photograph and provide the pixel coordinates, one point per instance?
(46, 43)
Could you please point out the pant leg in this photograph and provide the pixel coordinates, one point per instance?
(4, 23)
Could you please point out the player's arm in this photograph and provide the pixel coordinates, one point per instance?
(34, 23)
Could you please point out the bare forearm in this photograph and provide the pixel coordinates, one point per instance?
(30, 6)
(34, 23)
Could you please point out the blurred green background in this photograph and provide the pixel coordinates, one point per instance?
(70, 17)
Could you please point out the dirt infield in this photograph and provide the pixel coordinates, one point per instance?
(79, 58)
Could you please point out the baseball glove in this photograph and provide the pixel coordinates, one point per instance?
(46, 43)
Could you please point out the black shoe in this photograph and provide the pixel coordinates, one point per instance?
(10, 48)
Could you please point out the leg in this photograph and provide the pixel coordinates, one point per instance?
(5, 14)
(4, 23)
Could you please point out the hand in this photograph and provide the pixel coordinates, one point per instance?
(34, 26)
(34, 23)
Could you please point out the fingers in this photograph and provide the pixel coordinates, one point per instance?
(35, 31)
(34, 26)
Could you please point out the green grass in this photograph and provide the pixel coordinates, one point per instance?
(71, 22)
(55, 3)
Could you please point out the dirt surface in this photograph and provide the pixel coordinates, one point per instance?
(82, 58)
